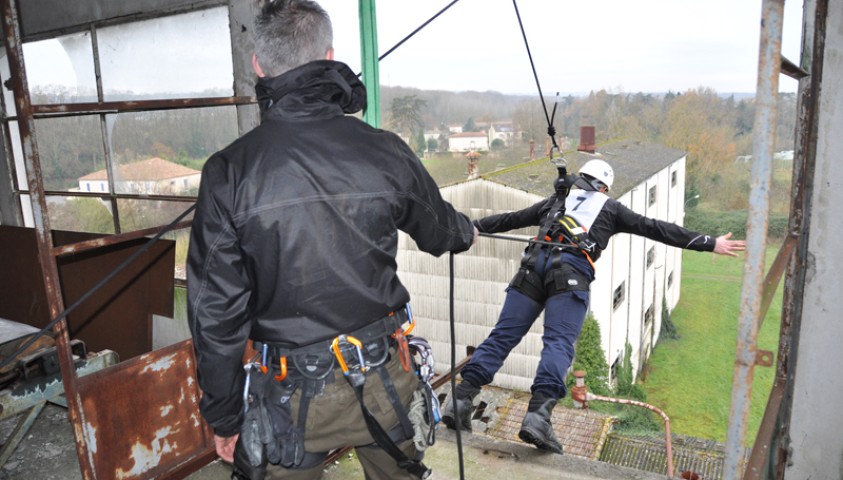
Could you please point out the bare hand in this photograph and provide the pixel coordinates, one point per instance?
(225, 447)
(724, 246)
(476, 236)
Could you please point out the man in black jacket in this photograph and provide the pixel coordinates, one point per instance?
(557, 280)
(293, 244)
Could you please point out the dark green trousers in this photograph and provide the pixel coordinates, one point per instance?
(334, 420)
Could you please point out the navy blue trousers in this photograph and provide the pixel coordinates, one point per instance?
(563, 319)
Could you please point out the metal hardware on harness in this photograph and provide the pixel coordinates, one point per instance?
(282, 372)
(410, 319)
(353, 366)
(403, 348)
(425, 351)
(400, 335)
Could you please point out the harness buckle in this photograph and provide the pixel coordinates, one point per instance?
(353, 366)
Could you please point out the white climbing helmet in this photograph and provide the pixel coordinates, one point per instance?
(600, 171)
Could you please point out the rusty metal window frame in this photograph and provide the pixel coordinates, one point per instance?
(102, 109)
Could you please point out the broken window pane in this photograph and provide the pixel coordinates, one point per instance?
(162, 152)
(138, 214)
(61, 69)
(71, 154)
(179, 56)
(80, 214)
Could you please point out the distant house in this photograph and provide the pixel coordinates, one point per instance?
(151, 176)
(503, 131)
(468, 141)
(634, 274)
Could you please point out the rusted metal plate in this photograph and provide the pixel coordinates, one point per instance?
(142, 416)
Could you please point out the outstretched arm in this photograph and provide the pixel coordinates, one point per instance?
(724, 246)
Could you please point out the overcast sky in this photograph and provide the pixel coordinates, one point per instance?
(577, 46)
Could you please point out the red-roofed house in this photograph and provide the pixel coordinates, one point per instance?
(151, 176)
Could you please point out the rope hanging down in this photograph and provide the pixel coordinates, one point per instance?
(551, 130)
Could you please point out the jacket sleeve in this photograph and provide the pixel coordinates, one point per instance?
(432, 222)
(504, 222)
(627, 221)
(218, 292)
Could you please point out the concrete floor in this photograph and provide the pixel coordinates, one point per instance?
(48, 453)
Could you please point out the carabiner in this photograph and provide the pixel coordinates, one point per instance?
(410, 319)
(282, 364)
(343, 344)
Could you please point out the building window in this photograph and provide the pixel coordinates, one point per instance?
(652, 195)
(673, 178)
(648, 316)
(670, 280)
(651, 256)
(619, 296)
(613, 371)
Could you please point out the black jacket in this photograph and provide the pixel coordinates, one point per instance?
(602, 216)
(296, 229)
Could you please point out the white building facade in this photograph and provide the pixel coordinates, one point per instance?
(634, 275)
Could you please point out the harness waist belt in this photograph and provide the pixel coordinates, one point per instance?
(374, 331)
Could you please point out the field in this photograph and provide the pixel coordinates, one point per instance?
(690, 378)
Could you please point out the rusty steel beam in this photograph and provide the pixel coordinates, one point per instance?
(113, 239)
(792, 70)
(26, 124)
(764, 134)
(62, 109)
(774, 275)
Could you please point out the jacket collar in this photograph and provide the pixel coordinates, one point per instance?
(319, 89)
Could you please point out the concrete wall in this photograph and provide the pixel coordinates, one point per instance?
(816, 420)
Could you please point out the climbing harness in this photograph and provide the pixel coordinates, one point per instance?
(270, 434)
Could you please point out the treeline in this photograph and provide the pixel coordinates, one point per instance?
(72, 147)
(713, 129)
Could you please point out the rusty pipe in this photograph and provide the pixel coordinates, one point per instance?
(581, 396)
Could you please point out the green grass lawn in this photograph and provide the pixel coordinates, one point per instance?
(690, 378)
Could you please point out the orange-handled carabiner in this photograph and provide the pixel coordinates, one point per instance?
(335, 346)
(283, 373)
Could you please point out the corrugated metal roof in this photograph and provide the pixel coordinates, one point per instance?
(633, 162)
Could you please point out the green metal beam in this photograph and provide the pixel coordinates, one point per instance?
(369, 58)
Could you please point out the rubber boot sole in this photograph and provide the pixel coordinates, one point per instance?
(535, 438)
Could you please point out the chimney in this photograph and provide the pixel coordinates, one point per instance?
(587, 140)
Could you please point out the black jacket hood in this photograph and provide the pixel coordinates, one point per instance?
(319, 89)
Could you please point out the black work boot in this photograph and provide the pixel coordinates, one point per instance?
(537, 428)
(464, 395)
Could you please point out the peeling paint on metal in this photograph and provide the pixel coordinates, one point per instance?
(165, 363)
(165, 410)
(196, 422)
(90, 433)
(147, 458)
